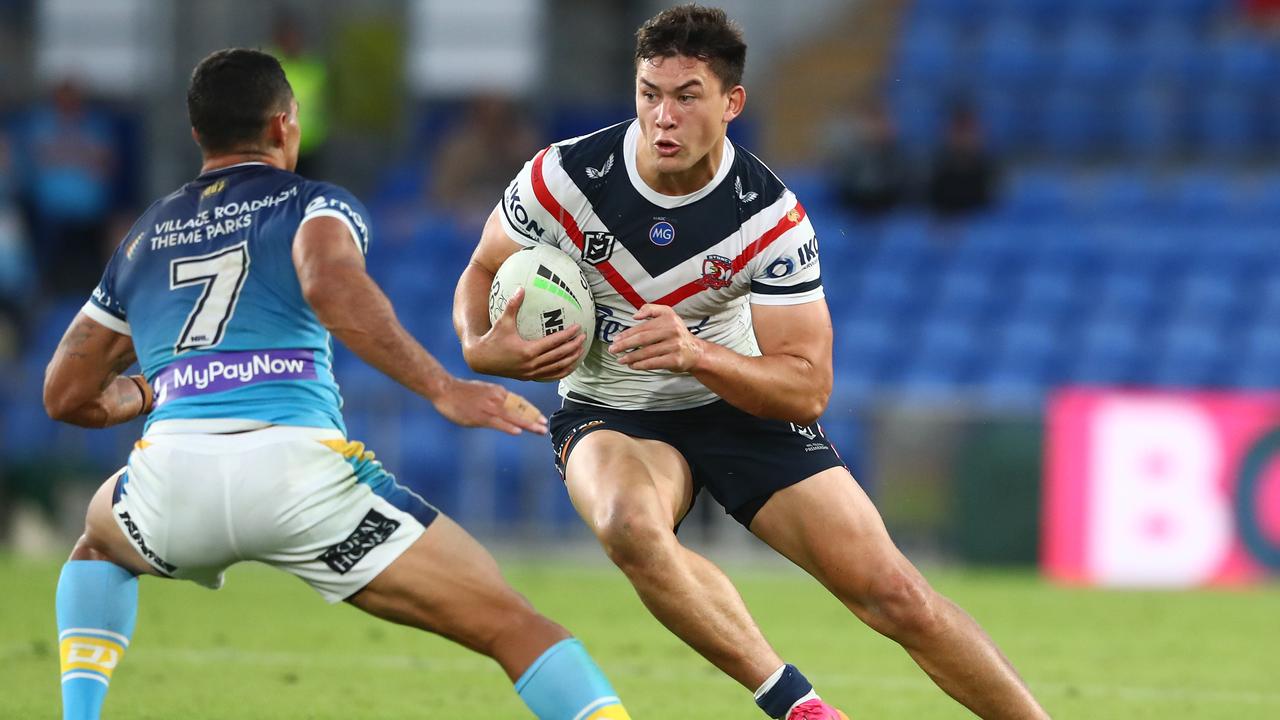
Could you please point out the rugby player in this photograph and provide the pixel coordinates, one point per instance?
(710, 368)
(226, 292)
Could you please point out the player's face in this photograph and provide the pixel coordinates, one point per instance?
(683, 112)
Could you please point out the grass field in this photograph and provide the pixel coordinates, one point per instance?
(267, 647)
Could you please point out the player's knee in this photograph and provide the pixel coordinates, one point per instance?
(87, 549)
(903, 605)
(634, 540)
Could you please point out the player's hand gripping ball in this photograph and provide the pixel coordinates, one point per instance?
(556, 294)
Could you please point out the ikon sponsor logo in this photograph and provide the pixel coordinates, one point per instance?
(808, 252)
(373, 530)
(518, 216)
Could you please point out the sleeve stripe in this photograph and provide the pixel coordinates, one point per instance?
(355, 236)
(95, 313)
(760, 288)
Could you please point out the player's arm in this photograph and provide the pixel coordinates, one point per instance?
(350, 305)
(498, 349)
(790, 380)
(83, 385)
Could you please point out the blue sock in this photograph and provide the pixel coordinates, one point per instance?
(565, 684)
(97, 604)
(776, 702)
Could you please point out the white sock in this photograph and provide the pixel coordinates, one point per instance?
(811, 695)
(769, 682)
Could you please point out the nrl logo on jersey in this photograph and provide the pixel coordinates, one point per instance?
(597, 247)
(744, 197)
(595, 174)
(717, 272)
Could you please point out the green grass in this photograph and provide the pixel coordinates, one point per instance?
(267, 647)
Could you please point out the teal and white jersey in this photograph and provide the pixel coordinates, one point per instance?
(205, 284)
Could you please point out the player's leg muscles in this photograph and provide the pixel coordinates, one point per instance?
(631, 492)
(448, 584)
(97, 603)
(828, 526)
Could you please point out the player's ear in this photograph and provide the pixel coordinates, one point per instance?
(278, 129)
(737, 101)
(195, 136)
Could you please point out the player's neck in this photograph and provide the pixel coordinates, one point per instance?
(217, 162)
(684, 182)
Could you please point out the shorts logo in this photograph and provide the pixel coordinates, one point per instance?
(662, 233)
(717, 272)
(552, 321)
(131, 528)
(598, 248)
(372, 531)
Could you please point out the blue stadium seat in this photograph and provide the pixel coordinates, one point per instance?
(1035, 194)
(1242, 63)
(1225, 125)
(1091, 57)
(1187, 355)
(1151, 122)
(1118, 193)
(928, 51)
(1006, 118)
(1075, 124)
(1168, 52)
(1010, 56)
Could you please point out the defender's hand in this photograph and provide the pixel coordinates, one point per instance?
(502, 351)
(471, 403)
(660, 342)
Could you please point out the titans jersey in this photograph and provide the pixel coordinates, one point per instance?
(741, 239)
(205, 284)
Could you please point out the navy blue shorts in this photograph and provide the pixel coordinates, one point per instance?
(742, 460)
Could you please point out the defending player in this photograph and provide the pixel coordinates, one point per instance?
(227, 291)
(711, 366)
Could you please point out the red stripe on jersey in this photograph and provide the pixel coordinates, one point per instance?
(549, 203)
(788, 221)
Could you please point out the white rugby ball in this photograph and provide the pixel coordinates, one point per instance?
(556, 294)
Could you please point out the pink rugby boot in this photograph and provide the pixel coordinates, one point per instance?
(815, 710)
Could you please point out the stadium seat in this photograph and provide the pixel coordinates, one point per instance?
(1010, 55)
(1224, 125)
(1091, 58)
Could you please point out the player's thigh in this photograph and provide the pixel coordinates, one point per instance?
(827, 525)
(608, 473)
(103, 539)
(446, 583)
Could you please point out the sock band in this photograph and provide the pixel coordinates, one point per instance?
(776, 702)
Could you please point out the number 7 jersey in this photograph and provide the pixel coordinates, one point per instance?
(742, 239)
(205, 284)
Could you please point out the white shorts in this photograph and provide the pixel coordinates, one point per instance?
(305, 500)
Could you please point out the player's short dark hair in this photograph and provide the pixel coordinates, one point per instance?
(698, 32)
(232, 94)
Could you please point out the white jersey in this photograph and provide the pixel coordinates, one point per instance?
(741, 239)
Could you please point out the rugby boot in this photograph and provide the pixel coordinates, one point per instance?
(815, 710)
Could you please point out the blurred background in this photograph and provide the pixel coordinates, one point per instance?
(1050, 231)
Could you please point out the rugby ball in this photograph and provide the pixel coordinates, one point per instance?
(556, 294)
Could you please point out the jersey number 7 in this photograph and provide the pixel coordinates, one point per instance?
(222, 274)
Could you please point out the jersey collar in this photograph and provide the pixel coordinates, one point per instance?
(629, 144)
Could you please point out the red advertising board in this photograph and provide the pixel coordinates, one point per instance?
(1161, 489)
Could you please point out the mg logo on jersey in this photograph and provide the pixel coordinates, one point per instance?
(662, 233)
(717, 272)
(598, 247)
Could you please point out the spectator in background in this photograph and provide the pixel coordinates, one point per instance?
(308, 76)
(872, 174)
(962, 176)
(474, 162)
(70, 155)
(15, 259)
